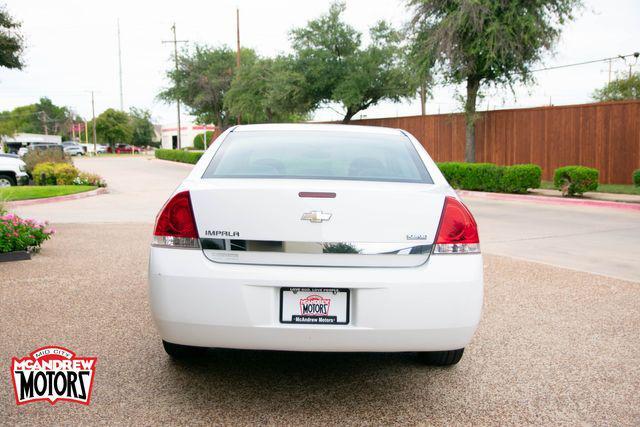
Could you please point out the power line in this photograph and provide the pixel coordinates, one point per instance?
(634, 54)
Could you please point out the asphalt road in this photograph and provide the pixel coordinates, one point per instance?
(596, 240)
(554, 348)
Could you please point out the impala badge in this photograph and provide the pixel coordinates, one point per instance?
(315, 216)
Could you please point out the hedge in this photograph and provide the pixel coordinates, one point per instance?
(197, 140)
(178, 155)
(490, 177)
(55, 174)
(575, 180)
(636, 177)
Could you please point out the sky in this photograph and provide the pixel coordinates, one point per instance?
(72, 49)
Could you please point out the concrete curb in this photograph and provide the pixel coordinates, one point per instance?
(96, 192)
(547, 200)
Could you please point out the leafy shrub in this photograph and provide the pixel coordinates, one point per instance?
(197, 140)
(54, 174)
(519, 178)
(85, 178)
(490, 177)
(65, 173)
(636, 177)
(481, 176)
(575, 180)
(17, 234)
(178, 156)
(35, 157)
(44, 174)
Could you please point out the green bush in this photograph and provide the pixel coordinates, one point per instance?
(178, 156)
(575, 180)
(636, 177)
(519, 178)
(54, 174)
(35, 157)
(490, 177)
(197, 140)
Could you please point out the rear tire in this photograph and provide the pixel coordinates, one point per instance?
(7, 181)
(441, 358)
(181, 352)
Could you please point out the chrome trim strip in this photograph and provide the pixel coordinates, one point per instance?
(352, 248)
(316, 254)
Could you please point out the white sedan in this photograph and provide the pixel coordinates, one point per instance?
(313, 237)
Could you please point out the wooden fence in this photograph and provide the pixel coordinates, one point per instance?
(605, 136)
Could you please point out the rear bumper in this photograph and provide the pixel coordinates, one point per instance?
(436, 306)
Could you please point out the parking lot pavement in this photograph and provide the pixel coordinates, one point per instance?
(596, 240)
(138, 187)
(553, 347)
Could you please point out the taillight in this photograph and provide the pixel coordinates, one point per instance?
(458, 232)
(176, 225)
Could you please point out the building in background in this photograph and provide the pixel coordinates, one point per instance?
(188, 133)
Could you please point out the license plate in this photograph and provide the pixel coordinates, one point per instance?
(314, 306)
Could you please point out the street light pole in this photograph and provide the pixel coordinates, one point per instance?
(93, 114)
(239, 118)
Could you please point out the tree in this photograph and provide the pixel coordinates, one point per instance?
(619, 89)
(203, 78)
(488, 42)
(337, 68)
(268, 90)
(113, 127)
(422, 63)
(11, 41)
(41, 117)
(141, 127)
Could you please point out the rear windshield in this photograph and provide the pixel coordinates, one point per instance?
(318, 155)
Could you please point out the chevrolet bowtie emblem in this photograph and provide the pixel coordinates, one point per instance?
(316, 216)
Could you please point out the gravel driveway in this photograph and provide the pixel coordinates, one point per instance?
(554, 347)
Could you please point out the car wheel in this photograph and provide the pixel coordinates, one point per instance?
(178, 351)
(441, 358)
(7, 181)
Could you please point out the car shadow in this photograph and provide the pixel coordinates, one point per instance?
(287, 380)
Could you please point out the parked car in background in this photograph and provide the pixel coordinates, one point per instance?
(13, 171)
(73, 149)
(310, 237)
(89, 148)
(45, 146)
(124, 149)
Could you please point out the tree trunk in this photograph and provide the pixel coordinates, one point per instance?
(423, 98)
(349, 115)
(470, 120)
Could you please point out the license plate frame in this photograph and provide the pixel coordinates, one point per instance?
(315, 319)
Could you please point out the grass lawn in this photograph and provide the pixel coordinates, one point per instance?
(603, 188)
(9, 194)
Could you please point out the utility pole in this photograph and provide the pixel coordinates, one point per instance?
(175, 58)
(120, 67)
(610, 70)
(93, 114)
(238, 50)
(43, 118)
